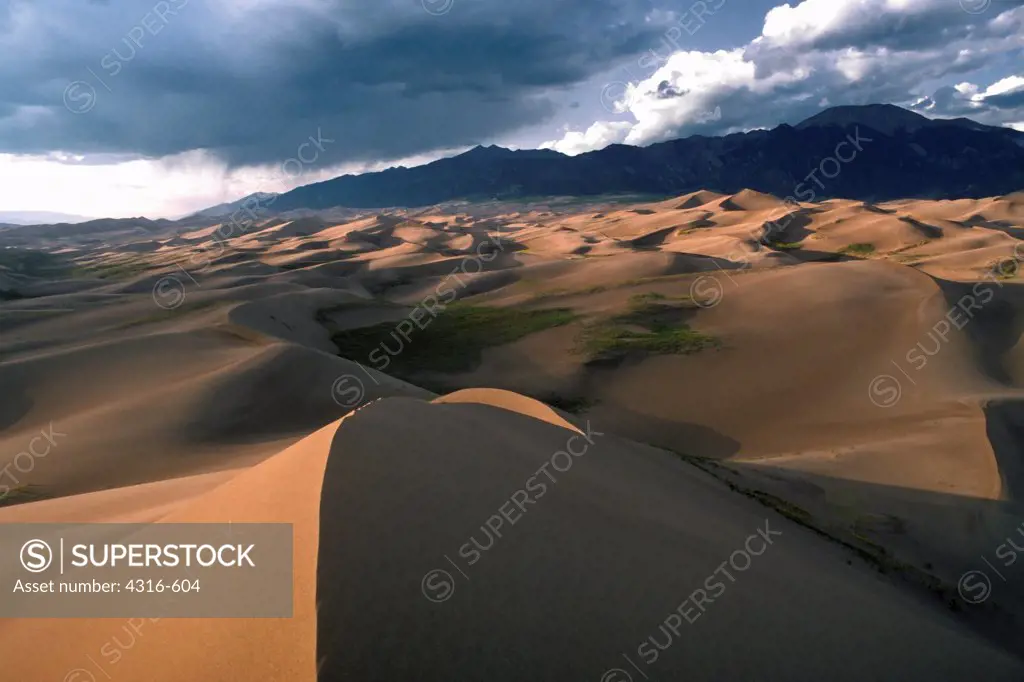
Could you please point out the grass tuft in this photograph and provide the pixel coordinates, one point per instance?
(22, 495)
(646, 298)
(858, 249)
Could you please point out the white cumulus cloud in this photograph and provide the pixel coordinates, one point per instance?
(831, 51)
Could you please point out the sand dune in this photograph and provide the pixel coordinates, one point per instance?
(856, 368)
(359, 608)
(556, 597)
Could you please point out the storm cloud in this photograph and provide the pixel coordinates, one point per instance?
(250, 79)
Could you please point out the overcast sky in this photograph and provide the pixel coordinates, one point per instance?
(135, 107)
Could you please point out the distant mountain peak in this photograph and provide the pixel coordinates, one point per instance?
(228, 208)
(40, 218)
(885, 118)
(487, 151)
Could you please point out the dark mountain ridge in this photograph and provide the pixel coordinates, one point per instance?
(889, 153)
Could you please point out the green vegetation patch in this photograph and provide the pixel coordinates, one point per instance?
(654, 308)
(33, 263)
(787, 246)
(451, 342)
(649, 326)
(639, 299)
(22, 494)
(653, 302)
(1005, 269)
(858, 249)
(603, 341)
(562, 292)
(115, 270)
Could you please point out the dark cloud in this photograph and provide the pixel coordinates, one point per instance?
(252, 79)
(1007, 100)
(943, 22)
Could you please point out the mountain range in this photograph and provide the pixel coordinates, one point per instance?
(9, 218)
(874, 152)
(227, 208)
(901, 154)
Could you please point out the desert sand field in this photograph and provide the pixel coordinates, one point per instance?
(847, 375)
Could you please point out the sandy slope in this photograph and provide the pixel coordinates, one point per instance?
(184, 375)
(618, 508)
(283, 489)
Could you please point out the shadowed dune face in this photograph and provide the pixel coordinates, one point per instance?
(855, 366)
(494, 571)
